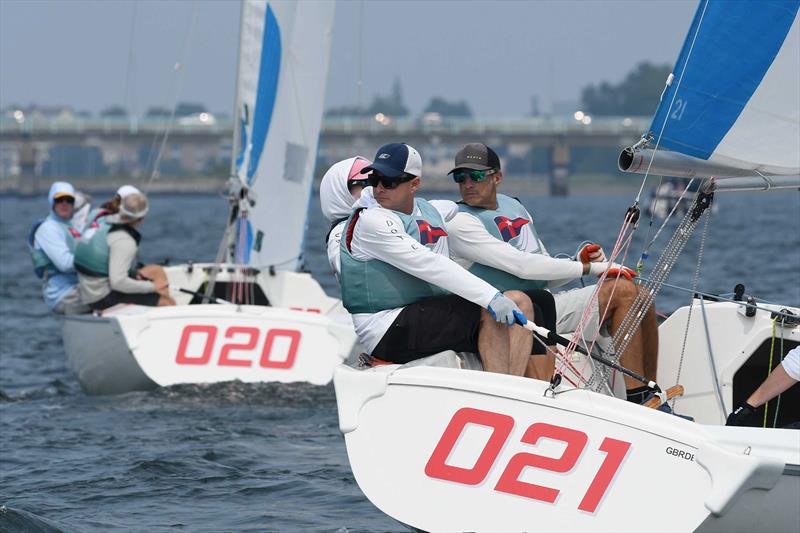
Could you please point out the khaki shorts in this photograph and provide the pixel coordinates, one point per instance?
(569, 311)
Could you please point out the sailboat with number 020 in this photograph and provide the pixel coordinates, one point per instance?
(250, 315)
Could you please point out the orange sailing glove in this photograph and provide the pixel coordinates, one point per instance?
(591, 253)
(620, 271)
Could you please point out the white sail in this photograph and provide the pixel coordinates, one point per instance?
(284, 53)
(733, 106)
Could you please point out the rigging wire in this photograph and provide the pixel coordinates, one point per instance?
(782, 356)
(176, 85)
(632, 214)
(672, 101)
(769, 367)
(130, 74)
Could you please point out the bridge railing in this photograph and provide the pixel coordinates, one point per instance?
(11, 127)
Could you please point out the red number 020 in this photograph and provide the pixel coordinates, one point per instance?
(509, 481)
(225, 357)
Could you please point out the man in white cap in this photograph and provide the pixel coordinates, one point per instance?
(52, 244)
(105, 260)
(397, 279)
(341, 186)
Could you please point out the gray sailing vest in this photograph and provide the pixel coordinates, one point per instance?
(369, 286)
(508, 223)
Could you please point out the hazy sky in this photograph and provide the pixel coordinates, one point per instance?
(496, 55)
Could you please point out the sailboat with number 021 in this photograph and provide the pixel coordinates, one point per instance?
(250, 315)
(441, 446)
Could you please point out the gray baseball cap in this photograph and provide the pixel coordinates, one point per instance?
(476, 156)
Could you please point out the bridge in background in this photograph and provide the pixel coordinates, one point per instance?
(27, 145)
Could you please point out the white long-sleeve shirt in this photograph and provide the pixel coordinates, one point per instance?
(380, 234)
(471, 242)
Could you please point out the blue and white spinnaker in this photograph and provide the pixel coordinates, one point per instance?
(732, 105)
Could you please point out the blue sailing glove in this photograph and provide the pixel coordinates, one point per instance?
(504, 310)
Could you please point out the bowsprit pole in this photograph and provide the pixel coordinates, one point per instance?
(555, 338)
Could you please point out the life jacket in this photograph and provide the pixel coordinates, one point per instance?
(510, 223)
(42, 265)
(92, 252)
(370, 285)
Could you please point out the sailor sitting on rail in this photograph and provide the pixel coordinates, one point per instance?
(396, 274)
(784, 376)
(105, 259)
(341, 186)
(52, 244)
(493, 236)
(110, 207)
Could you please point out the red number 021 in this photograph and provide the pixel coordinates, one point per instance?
(509, 481)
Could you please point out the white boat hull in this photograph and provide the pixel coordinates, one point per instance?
(443, 449)
(303, 336)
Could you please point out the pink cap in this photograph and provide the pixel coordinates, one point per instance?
(355, 170)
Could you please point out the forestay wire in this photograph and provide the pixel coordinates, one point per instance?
(646, 294)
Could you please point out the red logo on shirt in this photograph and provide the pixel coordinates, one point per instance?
(429, 234)
(509, 228)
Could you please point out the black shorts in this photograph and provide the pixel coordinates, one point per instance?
(115, 297)
(544, 315)
(431, 326)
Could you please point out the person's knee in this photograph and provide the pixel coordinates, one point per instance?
(620, 291)
(522, 300)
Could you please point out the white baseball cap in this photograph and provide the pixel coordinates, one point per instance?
(125, 190)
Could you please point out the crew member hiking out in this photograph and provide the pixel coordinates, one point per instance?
(340, 187)
(396, 276)
(106, 260)
(494, 237)
(52, 245)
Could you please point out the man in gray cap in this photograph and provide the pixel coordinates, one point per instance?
(493, 237)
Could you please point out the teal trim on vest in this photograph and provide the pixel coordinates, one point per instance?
(42, 265)
(512, 211)
(91, 255)
(369, 286)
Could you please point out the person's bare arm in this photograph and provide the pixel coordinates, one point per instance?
(777, 382)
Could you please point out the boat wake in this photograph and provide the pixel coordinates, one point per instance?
(240, 393)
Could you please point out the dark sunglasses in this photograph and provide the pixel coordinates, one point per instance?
(67, 199)
(460, 176)
(387, 182)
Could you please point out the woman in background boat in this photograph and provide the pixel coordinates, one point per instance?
(110, 207)
(52, 244)
(105, 259)
(341, 186)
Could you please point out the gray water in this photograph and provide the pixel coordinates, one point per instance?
(268, 457)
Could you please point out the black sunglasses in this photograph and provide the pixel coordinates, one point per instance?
(387, 182)
(67, 199)
(460, 176)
